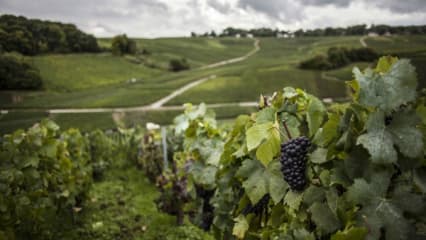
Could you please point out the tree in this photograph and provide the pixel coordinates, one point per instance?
(121, 44)
(16, 73)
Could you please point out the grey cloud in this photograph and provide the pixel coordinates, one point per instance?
(338, 3)
(219, 6)
(284, 10)
(401, 6)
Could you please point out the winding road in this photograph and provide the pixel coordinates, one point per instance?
(159, 105)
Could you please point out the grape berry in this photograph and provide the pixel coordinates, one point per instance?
(258, 208)
(293, 162)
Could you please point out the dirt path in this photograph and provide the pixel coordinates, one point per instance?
(234, 60)
(159, 105)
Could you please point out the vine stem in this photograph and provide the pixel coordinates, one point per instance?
(286, 129)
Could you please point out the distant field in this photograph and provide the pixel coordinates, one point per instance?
(82, 71)
(398, 44)
(198, 51)
(345, 73)
(101, 80)
(272, 68)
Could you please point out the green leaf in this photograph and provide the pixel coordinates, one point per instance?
(267, 150)
(260, 180)
(240, 228)
(405, 135)
(385, 63)
(266, 138)
(313, 194)
(293, 199)
(387, 91)
(258, 133)
(256, 185)
(329, 131)
(266, 115)
(314, 115)
(419, 179)
(421, 111)
(319, 156)
(378, 141)
(276, 184)
(353, 233)
(303, 234)
(324, 218)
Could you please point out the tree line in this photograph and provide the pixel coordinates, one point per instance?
(354, 30)
(34, 36)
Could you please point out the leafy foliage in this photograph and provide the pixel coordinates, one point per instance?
(17, 73)
(34, 36)
(363, 171)
(339, 57)
(121, 45)
(44, 174)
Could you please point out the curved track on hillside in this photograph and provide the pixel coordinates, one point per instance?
(159, 104)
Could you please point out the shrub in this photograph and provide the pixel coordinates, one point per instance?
(43, 175)
(16, 73)
(121, 44)
(177, 65)
(339, 57)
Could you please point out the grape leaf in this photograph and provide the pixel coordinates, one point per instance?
(276, 184)
(258, 133)
(328, 132)
(324, 218)
(314, 115)
(353, 233)
(377, 210)
(319, 156)
(260, 180)
(303, 234)
(255, 184)
(265, 115)
(266, 138)
(377, 140)
(421, 111)
(313, 194)
(380, 139)
(419, 179)
(385, 63)
(389, 90)
(405, 135)
(240, 228)
(293, 199)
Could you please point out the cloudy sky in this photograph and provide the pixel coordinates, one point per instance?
(161, 18)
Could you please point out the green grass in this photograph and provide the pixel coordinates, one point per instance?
(19, 120)
(270, 69)
(72, 72)
(345, 73)
(398, 44)
(122, 207)
(198, 51)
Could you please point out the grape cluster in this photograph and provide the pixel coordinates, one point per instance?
(208, 209)
(388, 120)
(259, 207)
(293, 162)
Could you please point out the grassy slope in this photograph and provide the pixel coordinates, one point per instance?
(82, 71)
(274, 67)
(101, 80)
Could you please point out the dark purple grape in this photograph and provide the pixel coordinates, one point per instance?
(293, 162)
